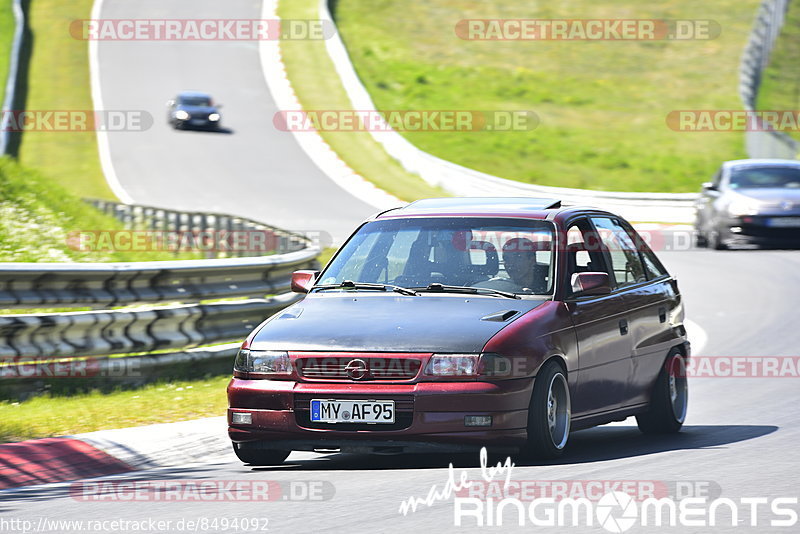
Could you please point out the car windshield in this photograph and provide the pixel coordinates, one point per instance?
(509, 255)
(200, 101)
(765, 177)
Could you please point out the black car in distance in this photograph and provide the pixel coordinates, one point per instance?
(191, 109)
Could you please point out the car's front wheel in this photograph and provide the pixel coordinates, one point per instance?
(261, 457)
(549, 414)
(716, 240)
(670, 398)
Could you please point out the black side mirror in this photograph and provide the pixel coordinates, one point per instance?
(709, 186)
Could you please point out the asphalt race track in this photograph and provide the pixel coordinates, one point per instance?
(253, 169)
(741, 438)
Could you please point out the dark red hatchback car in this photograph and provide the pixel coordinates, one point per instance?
(453, 324)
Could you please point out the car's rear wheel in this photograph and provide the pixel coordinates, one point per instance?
(549, 413)
(670, 398)
(261, 457)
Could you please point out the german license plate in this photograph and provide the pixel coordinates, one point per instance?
(784, 222)
(352, 411)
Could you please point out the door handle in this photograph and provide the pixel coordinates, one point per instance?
(662, 315)
(623, 327)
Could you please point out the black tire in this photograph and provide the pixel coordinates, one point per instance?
(261, 457)
(669, 400)
(715, 240)
(700, 240)
(549, 413)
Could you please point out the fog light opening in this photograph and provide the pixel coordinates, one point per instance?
(242, 418)
(478, 420)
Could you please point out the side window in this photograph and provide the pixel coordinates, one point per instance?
(583, 255)
(626, 263)
(653, 268)
(651, 264)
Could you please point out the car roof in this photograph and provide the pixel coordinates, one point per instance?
(514, 207)
(461, 206)
(762, 162)
(194, 93)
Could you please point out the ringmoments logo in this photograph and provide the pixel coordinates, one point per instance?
(625, 505)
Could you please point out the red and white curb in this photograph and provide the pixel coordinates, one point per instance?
(110, 452)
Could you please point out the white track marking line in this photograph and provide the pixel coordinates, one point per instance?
(103, 145)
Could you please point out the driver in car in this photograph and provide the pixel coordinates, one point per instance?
(519, 259)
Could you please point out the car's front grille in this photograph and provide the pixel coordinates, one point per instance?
(403, 408)
(362, 369)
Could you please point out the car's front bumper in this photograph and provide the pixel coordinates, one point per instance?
(430, 416)
(760, 230)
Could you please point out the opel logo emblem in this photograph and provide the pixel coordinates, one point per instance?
(356, 369)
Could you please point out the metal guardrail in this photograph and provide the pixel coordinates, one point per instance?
(138, 217)
(13, 70)
(183, 323)
(64, 335)
(766, 28)
(95, 285)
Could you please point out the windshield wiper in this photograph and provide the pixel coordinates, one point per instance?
(349, 284)
(441, 288)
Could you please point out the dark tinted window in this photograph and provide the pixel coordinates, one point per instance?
(200, 101)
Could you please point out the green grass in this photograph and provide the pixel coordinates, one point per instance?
(37, 215)
(59, 80)
(158, 403)
(602, 105)
(317, 85)
(780, 83)
(7, 27)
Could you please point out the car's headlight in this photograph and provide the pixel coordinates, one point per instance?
(181, 115)
(453, 365)
(268, 362)
(742, 206)
(214, 117)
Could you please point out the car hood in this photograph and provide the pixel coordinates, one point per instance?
(771, 194)
(381, 322)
